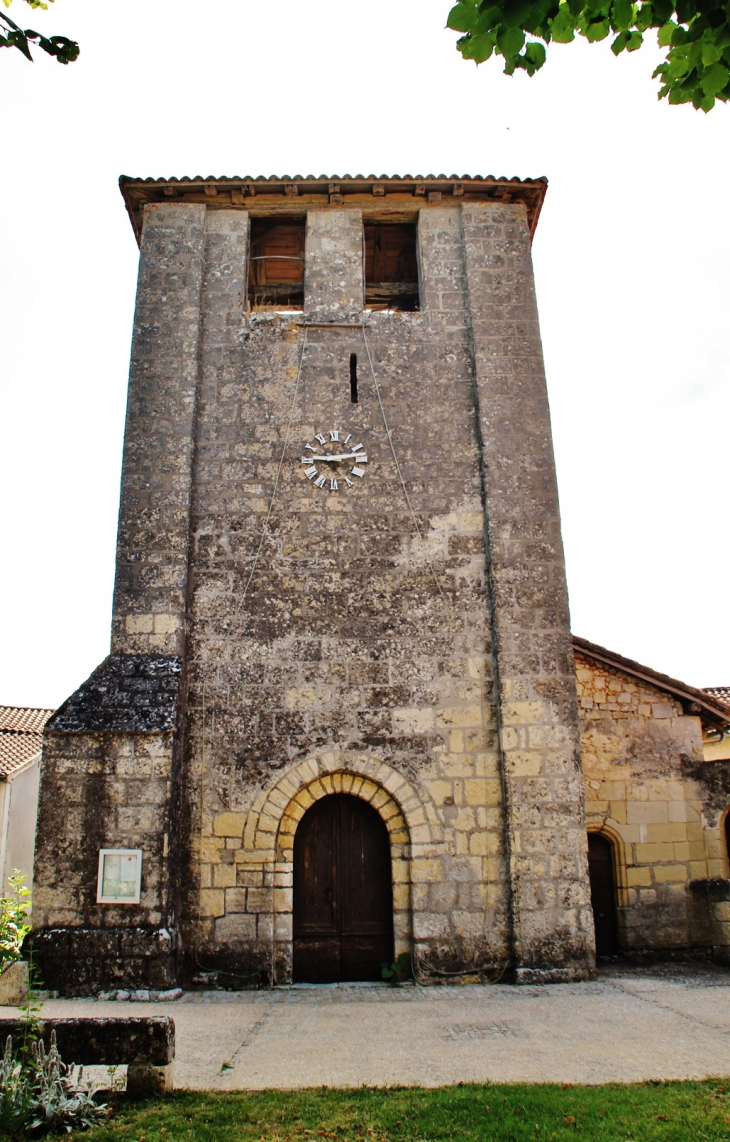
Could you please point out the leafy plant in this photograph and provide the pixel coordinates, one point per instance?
(31, 1009)
(39, 1094)
(58, 1102)
(14, 926)
(695, 32)
(398, 971)
(16, 1099)
(12, 36)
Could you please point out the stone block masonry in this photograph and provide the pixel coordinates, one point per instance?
(154, 514)
(538, 723)
(649, 790)
(404, 640)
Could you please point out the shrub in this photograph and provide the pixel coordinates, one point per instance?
(14, 926)
(38, 1094)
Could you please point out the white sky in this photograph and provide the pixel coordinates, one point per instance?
(632, 256)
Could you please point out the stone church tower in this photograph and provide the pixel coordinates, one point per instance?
(338, 722)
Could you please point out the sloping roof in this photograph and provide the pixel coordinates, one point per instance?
(21, 735)
(707, 705)
(378, 196)
(721, 692)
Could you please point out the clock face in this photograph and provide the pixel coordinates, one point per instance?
(333, 462)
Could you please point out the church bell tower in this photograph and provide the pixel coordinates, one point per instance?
(338, 722)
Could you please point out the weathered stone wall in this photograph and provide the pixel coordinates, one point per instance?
(154, 513)
(535, 669)
(650, 791)
(342, 640)
(354, 635)
(333, 282)
(715, 750)
(102, 790)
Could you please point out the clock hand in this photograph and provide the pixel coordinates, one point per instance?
(342, 456)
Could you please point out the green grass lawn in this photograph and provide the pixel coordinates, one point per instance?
(672, 1112)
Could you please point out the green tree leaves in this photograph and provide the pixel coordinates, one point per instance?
(627, 41)
(562, 26)
(14, 926)
(462, 18)
(623, 15)
(510, 41)
(714, 79)
(12, 36)
(695, 32)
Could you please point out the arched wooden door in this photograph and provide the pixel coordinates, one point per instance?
(343, 894)
(603, 893)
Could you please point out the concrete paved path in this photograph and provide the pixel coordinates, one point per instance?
(631, 1024)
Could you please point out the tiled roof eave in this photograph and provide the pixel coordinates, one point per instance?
(21, 737)
(138, 192)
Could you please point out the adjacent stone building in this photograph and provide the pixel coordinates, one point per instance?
(656, 808)
(338, 724)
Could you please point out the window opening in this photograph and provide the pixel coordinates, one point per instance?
(276, 263)
(391, 266)
(353, 377)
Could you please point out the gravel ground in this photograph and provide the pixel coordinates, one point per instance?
(663, 1022)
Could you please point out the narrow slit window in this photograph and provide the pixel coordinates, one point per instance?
(391, 266)
(276, 263)
(353, 377)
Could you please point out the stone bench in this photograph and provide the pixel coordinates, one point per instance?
(146, 1044)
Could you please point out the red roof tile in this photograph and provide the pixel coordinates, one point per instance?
(721, 692)
(21, 736)
(310, 190)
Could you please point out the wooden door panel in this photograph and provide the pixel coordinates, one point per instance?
(366, 877)
(343, 912)
(317, 959)
(362, 956)
(316, 898)
(603, 894)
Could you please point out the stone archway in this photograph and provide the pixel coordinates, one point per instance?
(268, 839)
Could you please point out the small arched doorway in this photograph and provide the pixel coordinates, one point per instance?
(343, 892)
(603, 893)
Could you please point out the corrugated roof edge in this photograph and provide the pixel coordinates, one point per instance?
(200, 178)
(712, 708)
(128, 183)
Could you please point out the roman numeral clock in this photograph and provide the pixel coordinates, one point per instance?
(328, 462)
